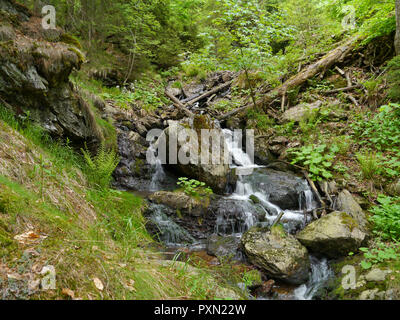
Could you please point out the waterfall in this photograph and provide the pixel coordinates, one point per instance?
(158, 172)
(320, 274)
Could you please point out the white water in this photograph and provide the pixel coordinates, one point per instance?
(320, 273)
(292, 219)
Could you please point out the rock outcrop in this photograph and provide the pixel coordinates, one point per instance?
(34, 68)
(334, 235)
(277, 253)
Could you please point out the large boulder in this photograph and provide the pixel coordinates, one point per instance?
(282, 188)
(216, 173)
(334, 235)
(181, 202)
(34, 77)
(346, 203)
(277, 253)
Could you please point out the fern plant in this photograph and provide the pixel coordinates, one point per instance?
(100, 167)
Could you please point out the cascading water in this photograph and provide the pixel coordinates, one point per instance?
(239, 212)
(292, 220)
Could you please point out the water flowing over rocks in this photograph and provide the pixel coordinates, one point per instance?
(334, 235)
(277, 253)
(281, 188)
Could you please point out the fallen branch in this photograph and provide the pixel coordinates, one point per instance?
(343, 89)
(178, 104)
(278, 219)
(208, 93)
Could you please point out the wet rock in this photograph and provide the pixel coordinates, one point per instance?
(334, 235)
(278, 254)
(346, 203)
(222, 246)
(282, 188)
(301, 112)
(377, 275)
(234, 216)
(181, 202)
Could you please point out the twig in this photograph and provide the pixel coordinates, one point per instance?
(278, 219)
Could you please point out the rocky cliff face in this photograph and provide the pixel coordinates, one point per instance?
(35, 65)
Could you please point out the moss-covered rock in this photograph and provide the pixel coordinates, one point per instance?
(277, 253)
(334, 235)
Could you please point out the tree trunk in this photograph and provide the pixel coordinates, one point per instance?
(322, 65)
(397, 38)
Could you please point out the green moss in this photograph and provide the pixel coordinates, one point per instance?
(348, 221)
(70, 39)
(79, 53)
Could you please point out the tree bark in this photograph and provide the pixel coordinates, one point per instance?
(321, 65)
(397, 37)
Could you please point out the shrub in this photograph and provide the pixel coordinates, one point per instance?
(193, 187)
(100, 167)
(318, 160)
(386, 217)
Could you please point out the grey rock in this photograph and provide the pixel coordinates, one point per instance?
(277, 253)
(334, 235)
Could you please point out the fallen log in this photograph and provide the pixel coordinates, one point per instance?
(336, 55)
(208, 93)
(178, 104)
(321, 66)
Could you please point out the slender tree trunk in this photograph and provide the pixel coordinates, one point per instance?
(397, 38)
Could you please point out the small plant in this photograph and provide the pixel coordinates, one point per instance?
(317, 159)
(386, 217)
(369, 163)
(382, 253)
(382, 130)
(194, 187)
(101, 166)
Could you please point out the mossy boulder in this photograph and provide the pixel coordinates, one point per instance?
(181, 202)
(34, 80)
(278, 254)
(346, 203)
(216, 173)
(334, 235)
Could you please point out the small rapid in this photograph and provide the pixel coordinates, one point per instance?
(253, 203)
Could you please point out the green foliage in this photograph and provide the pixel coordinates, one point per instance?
(317, 159)
(393, 78)
(100, 167)
(259, 120)
(382, 252)
(194, 187)
(381, 130)
(386, 217)
(369, 164)
(373, 18)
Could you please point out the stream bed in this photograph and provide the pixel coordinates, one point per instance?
(233, 214)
